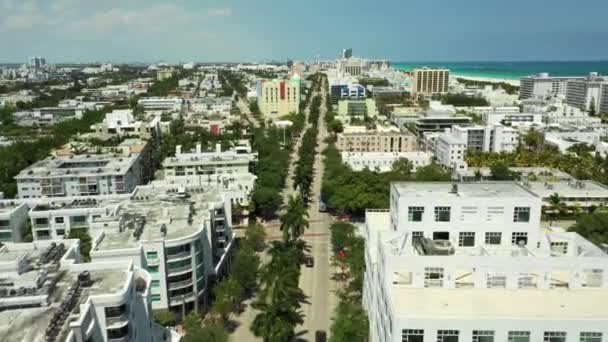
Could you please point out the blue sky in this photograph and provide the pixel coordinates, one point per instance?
(253, 30)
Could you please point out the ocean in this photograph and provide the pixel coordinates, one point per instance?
(512, 70)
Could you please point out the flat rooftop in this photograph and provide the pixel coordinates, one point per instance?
(158, 208)
(482, 304)
(470, 190)
(79, 165)
(588, 190)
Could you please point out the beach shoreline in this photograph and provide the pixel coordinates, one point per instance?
(487, 79)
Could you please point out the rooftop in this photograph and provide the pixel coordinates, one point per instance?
(470, 190)
(79, 165)
(569, 189)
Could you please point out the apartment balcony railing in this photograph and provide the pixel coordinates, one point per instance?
(117, 321)
(180, 284)
(180, 255)
(181, 269)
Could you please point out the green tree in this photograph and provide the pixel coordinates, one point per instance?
(432, 173)
(86, 242)
(534, 139)
(295, 218)
(228, 293)
(581, 149)
(403, 167)
(501, 172)
(593, 227)
(255, 236)
(165, 317)
(557, 205)
(245, 267)
(350, 323)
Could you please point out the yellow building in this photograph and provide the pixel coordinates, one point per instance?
(277, 98)
(429, 82)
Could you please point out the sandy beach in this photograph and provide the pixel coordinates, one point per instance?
(488, 79)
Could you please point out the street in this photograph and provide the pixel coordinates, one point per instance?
(315, 282)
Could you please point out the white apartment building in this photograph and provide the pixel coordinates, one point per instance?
(121, 122)
(82, 175)
(451, 146)
(13, 218)
(162, 103)
(277, 98)
(383, 139)
(604, 101)
(221, 106)
(583, 194)
(542, 86)
(47, 294)
(587, 92)
(207, 163)
(383, 161)
(469, 262)
(512, 118)
(181, 236)
(430, 81)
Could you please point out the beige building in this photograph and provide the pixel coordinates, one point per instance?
(429, 82)
(380, 140)
(279, 97)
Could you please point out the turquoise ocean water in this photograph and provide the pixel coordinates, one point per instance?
(512, 70)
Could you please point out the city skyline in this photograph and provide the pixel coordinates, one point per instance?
(237, 31)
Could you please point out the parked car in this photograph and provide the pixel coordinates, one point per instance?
(309, 261)
(320, 336)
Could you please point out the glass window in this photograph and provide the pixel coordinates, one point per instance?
(412, 335)
(447, 335)
(41, 221)
(496, 280)
(433, 277)
(442, 214)
(59, 219)
(60, 232)
(416, 237)
(466, 239)
(5, 223)
(591, 337)
(6, 236)
(521, 214)
(493, 238)
(155, 283)
(554, 336)
(152, 255)
(519, 336)
(153, 269)
(414, 214)
(155, 297)
(519, 238)
(483, 336)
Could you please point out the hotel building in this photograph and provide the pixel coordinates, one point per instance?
(430, 81)
(277, 98)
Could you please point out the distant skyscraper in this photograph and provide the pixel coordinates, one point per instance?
(289, 63)
(429, 82)
(347, 53)
(37, 62)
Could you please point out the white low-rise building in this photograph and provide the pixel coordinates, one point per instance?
(13, 218)
(162, 103)
(121, 122)
(582, 194)
(512, 118)
(207, 163)
(469, 262)
(383, 161)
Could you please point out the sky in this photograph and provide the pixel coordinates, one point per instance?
(257, 30)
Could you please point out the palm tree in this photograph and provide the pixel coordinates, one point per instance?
(295, 218)
(556, 204)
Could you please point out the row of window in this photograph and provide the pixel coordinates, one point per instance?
(467, 239)
(443, 214)
(417, 335)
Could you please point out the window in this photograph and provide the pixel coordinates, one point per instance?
(519, 238)
(554, 336)
(5, 223)
(60, 232)
(496, 280)
(447, 335)
(521, 214)
(155, 297)
(416, 237)
(155, 283)
(414, 214)
(527, 281)
(411, 335)
(153, 269)
(6, 236)
(433, 277)
(151, 255)
(41, 221)
(559, 247)
(466, 239)
(494, 214)
(442, 214)
(519, 336)
(591, 337)
(483, 336)
(493, 238)
(441, 235)
(59, 219)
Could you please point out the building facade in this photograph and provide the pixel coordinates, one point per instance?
(277, 98)
(586, 94)
(428, 82)
(542, 86)
(470, 262)
(376, 141)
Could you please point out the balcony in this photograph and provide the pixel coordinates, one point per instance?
(180, 284)
(178, 299)
(181, 269)
(117, 321)
(180, 255)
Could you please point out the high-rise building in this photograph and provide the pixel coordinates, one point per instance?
(543, 85)
(471, 262)
(430, 81)
(347, 53)
(586, 93)
(37, 62)
(279, 97)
